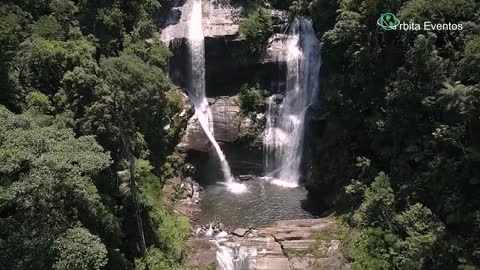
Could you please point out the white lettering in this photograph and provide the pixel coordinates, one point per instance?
(429, 26)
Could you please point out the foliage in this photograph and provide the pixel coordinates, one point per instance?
(169, 231)
(40, 64)
(14, 25)
(48, 27)
(251, 99)
(49, 171)
(156, 260)
(377, 207)
(256, 28)
(39, 102)
(252, 106)
(407, 104)
(79, 250)
(80, 74)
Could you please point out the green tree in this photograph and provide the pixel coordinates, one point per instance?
(77, 249)
(48, 27)
(251, 98)
(14, 27)
(41, 64)
(257, 28)
(47, 187)
(423, 232)
(378, 206)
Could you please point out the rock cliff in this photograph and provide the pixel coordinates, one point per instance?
(228, 64)
(228, 123)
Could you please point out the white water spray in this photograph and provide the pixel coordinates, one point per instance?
(284, 133)
(196, 42)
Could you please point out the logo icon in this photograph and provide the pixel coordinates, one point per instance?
(388, 21)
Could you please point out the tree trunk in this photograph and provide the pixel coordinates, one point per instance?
(133, 186)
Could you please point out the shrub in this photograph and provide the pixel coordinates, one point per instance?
(251, 98)
(257, 28)
(38, 101)
(78, 249)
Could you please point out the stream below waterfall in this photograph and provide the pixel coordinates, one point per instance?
(263, 204)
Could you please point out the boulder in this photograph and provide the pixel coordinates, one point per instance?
(194, 137)
(272, 263)
(240, 232)
(247, 177)
(226, 119)
(226, 125)
(245, 126)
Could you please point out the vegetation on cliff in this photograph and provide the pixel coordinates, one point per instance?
(89, 124)
(252, 99)
(256, 28)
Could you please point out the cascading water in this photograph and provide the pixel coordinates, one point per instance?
(196, 89)
(285, 128)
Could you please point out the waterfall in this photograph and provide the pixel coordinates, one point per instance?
(285, 128)
(196, 89)
(231, 256)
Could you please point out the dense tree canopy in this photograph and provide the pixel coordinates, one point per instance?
(47, 187)
(86, 80)
(404, 108)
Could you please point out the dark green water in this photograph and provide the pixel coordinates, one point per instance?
(261, 205)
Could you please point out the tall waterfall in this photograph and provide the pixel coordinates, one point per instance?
(196, 89)
(285, 128)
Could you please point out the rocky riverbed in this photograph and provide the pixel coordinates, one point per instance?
(289, 244)
(286, 244)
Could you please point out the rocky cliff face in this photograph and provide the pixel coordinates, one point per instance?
(227, 61)
(228, 66)
(228, 123)
(220, 20)
(328, 160)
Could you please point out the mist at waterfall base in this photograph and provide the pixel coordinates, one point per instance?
(285, 127)
(196, 89)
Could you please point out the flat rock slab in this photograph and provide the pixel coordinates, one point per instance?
(304, 244)
(292, 235)
(272, 263)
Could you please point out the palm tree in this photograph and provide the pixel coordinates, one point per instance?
(457, 96)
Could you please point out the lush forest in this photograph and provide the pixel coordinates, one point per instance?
(402, 111)
(89, 122)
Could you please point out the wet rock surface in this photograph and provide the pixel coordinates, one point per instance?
(228, 125)
(289, 244)
(247, 177)
(226, 119)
